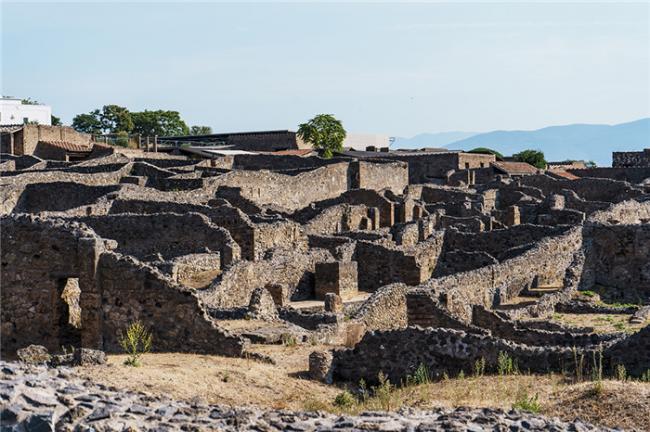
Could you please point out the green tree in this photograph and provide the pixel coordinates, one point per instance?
(591, 164)
(56, 121)
(200, 130)
(485, 150)
(88, 123)
(160, 122)
(110, 119)
(116, 119)
(324, 132)
(533, 157)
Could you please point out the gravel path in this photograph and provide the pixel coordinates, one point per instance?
(37, 398)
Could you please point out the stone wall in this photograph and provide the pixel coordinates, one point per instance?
(636, 174)
(163, 236)
(385, 309)
(38, 258)
(381, 263)
(289, 192)
(398, 353)
(61, 197)
(617, 256)
(377, 176)
(544, 263)
(592, 189)
(338, 218)
(509, 330)
(498, 242)
(132, 291)
(293, 269)
(32, 134)
(631, 159)
(254, 239)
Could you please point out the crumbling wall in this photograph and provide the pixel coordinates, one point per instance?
(132, 291)
(61, 197)
(381, 263)
(592, 189)
(544, 263)
(398, 353)
(338, 218)
(635, 175)
(497, 242)
(289, 192)
(39, 257)
(384, 309)
(618, 256)
(631, 159)
(293, 269)
(164, 235)
(377, 176)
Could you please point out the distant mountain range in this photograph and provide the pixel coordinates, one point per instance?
(577, 141)
(440, 139)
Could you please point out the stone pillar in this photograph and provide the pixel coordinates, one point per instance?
(90, 298)
(556, 202)
(146, 148)
(11, 143)
(155, 143)
(320, 366)
(373, 215)
(333, 303)
(336, 277)
(417, 212)
(513, 216)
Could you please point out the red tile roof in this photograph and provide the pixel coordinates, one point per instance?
(68, 146)
(296, 152)
(564, 174)
(515, 168)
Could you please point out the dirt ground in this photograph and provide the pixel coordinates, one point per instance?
(601, 323)
(236, 381)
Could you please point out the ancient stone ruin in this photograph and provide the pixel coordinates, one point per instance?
(360, 254)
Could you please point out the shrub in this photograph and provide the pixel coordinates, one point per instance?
(137, 341)
(383, 391)
(645, 376)
(620, 372)
(420, 376)
(288, 340)
(506, 365)
(526, 403)
(345, 400)
(597, 372)
(479, 367)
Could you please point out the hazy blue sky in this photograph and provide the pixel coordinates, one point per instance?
(398, 69)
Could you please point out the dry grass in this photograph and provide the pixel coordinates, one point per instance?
(200, 280)
(223, 380)
(602, 323)
(234, 381)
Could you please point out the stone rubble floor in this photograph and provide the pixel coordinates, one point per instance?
(37, 398)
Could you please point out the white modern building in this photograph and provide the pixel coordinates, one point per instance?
(14, 111)
(361, 141)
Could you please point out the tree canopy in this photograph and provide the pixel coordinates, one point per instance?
(485, 150)
(200, 130)
(114, 119)
(324, 132)
(162, 123)
(533, 157)
(88, 123)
